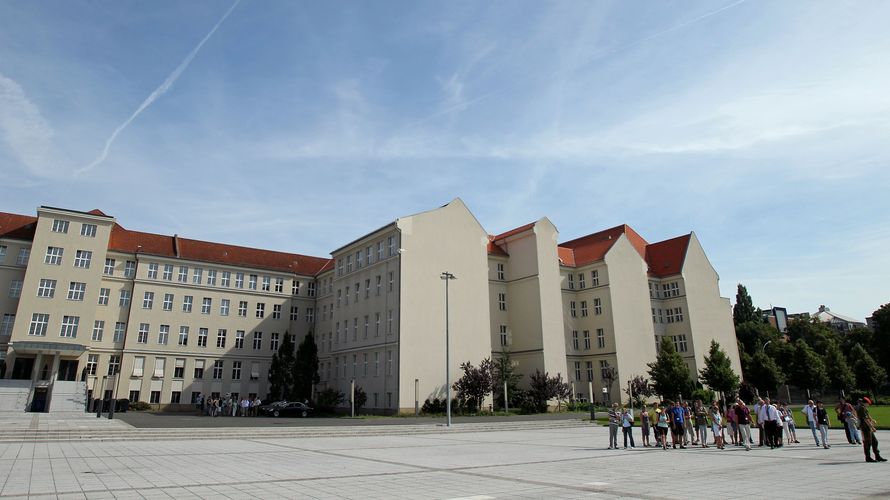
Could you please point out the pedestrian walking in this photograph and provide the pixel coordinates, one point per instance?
(843, 409)
(614, 423)
(812, 421)
(645, 425)
(743, 417)
(627, 427)
(823, 422)
(869, 440)
(678, 424)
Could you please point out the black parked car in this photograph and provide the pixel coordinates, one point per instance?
(285, 410)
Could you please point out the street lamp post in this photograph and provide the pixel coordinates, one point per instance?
(447, 277)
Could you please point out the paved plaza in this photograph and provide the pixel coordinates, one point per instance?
(540, 461)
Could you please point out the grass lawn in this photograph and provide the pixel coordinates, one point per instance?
(880, 413)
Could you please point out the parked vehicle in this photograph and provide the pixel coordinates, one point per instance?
(285, 409)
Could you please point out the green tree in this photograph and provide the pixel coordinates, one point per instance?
(639, 390)
(669, 373)
(504, 371)
(764, 374)
(806, 370)
(561, 390)
(868, 373)
(360, 398)
(743, 311)
(753, 334)
(861, 336)
(717, 373)
(281, 375)
(814, 332)
(881, 340)
(305, 368)
(840, 375)
(474, 384)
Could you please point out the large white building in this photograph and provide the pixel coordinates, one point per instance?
(96, 309)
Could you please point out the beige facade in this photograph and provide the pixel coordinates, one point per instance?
(95, 309)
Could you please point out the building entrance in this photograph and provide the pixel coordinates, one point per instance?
(38, 404)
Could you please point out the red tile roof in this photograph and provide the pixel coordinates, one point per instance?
(666, 258)
(594, 247)
(124, 240)
(19, 227)
(495, 249)
(566, 256)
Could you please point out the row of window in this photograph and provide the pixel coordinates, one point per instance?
(597, 308)
(335, 336)
(604, 370)
(679, 343)
(143, 335)
(600, 339)
(21, 260)
(221, 278)
(61, 226)
(672, 314)
(667, 290)
(54, 256)
(582, 284)
(343, 293)
(364, 257)
(331, 370)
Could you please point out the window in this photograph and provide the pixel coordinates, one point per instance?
(276, 311)
(279, 285)
(239, 339)
(24, 255)
(160, 368)
(594, 278)
(260, 310)
(581, 284)
(88, 230)
(273, 341)
(114, 364)
(571, 280)
(502, 301)
(197, 275)
(376, 324)
(206, 304)
(98, 330)
(168, 302)
(242, 308)
(391, 281)
(310, 315)
(226, 279)
(199, 368)
(376, 364)
(179, 368)
(502, 334)
(354, 329)
(69, 327)
(217, 369)
(153, 271)
(358, 259)
(129, 269)
(60, 226)
(183, 335)
(573, 309)
(254, 370)
(168, 272)
(357, 286)
(125, 298)
(678, 314)
(654, 320)
(7, 324)
(294, 313)
(175, 397)
(15, 289)
(680, 343)
(2, 253)
(236, 370)
(92, 363)
(600, 338)
(257, 340)
(104, 294)
(660, 316)
(604, 369)
(267, 283)
(389, 362)
(575, 344)
(590, 371)
(183, 276)
(583, 308)
(54, 256)
(597, 306)
(367, 287)
(221, 338)
(577, 370)
(46, 289)
(389, 322)
(378, 283)
(586, 340)
(295, 288)
(202, 337)
(163, 334)
(365, 331)
(391, 243)
(142, 336)
(211, 277)
(154, 397)
(120, 329)
(148, 300)
(500, 272)
(187, 303)
(224, 307)
(675, 289)
(251, 284)
(109, 267)
(239, 280)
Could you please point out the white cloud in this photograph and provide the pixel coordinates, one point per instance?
(25, 131)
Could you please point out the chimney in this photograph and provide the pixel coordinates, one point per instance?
(176, 245)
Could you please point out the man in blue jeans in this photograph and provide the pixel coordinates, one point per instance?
(678, 423)
(810, 411)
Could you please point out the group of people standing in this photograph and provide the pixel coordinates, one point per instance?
(228, 406)
(688, 425)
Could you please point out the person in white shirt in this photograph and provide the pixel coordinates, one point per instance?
(810, 411)
(757, 406)
(245, 406)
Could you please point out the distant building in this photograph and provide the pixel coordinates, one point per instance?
(839, 322)
(777, 317)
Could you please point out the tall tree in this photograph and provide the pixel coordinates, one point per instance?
(743, 311)
(881, 340)
(868, 373)
(814, 332)
(281, 374)
(669, 373)
(861, 336)
(504, 371)
(840, 375)
(753, 334)
(764, 373)
(717, 373)
(305, 368)
(806, 369)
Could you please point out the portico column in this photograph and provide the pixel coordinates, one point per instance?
(35, 370)
(52, 380)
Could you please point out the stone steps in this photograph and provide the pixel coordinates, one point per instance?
(118, 434)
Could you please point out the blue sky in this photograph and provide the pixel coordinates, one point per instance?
(762, 126)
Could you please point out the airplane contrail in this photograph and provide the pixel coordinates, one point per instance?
(158, 92)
